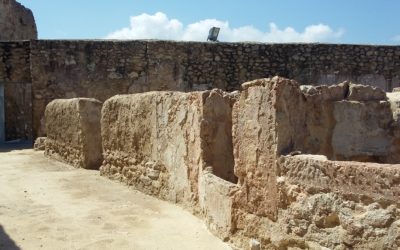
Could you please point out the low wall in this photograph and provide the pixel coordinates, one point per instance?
(348, 122)
(307, 201)
(159, 142)
(247, 162)
(73, 132)
(355, 180)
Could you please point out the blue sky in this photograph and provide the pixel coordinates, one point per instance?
(351, 21)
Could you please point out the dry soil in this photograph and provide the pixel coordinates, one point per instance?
(46, 204)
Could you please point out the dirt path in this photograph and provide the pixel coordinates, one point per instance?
(45, 204)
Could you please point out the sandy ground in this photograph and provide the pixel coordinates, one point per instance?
(45, 204)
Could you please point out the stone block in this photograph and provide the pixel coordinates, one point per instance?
(359, 180)
(73, 132)
(268, 120)
(358, 92)
(361, 131)
(289, 197)
(159, 142)
(40, 144)
(216, 201)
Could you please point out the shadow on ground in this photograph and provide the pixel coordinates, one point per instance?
(6, 242)
(15, 145)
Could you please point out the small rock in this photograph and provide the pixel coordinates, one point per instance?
(379, 218)
(133, 75)
(39, 144)
(153, 174)
(255, 244)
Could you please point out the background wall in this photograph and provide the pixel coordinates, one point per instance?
(16, 77)
(101, 69)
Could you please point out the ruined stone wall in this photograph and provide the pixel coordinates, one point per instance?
(284, 192)
(101, 69)
(16, 22)
(287, 197)
(16, 78)
(73, 132)
(159, 142)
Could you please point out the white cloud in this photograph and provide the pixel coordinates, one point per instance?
(159, 26)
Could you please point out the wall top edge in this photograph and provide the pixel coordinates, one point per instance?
(194, 42)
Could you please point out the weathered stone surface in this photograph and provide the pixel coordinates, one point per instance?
(340, 204)
(267, 120)
(358, 92)
(216, 203)
(309, 201)
(355, 180)
(344, 129)
(101, 69)
(16, 22)
(187, 132)
(177, 146)
(362, 130)
(73, 132)
(40, 144)
(16, 79)
(394, 100)
(18, 110)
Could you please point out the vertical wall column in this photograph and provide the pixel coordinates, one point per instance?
(2, 123)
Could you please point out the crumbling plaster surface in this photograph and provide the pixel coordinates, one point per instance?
(73, 136)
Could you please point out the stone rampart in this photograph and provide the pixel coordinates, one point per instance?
(101, 69)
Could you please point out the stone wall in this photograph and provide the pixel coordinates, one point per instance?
(73, 132)
(16, 79)
(287, 197)
(159, 142)
(257, 165)
(101, 69)
(348, 122)
(16, 22)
